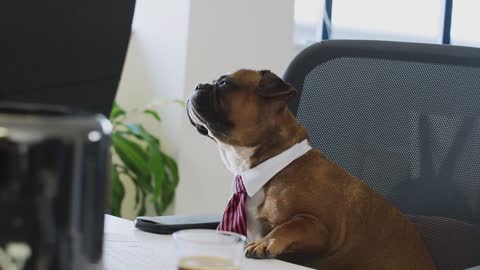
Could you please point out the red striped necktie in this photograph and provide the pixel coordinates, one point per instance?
(234, 218)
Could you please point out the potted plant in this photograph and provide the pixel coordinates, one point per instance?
(140, 159)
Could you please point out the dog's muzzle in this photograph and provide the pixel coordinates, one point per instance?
(194, 119)
(212, 90)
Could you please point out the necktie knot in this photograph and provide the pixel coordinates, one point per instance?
(239, 186)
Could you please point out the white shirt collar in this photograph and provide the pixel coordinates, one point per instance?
(255, 178)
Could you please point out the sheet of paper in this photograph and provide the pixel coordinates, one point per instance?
(123, 252)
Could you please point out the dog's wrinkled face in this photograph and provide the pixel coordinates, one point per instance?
(241, 108)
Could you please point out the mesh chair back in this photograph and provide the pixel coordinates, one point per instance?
(404, 118)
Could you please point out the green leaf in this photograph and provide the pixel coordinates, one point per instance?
(159, 207)
(179, 101)
(134, 158)
(141, 133)
(168, 193)
(117, 111)
(142, 210)
(131, 154)
(153, 113)
(173, 168)
(137, 196)
(145, 184)
(137, 189)
(117, 193)
(157, 169)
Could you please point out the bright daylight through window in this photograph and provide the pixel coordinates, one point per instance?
(406, 20)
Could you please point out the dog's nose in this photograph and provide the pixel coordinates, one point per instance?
(203, 86)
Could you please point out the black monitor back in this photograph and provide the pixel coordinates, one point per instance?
(63, 52)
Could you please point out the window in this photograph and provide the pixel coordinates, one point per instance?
(405, 20)
(398, 20)
(308, 21)
(465, 23)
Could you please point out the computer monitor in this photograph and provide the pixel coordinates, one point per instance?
(68, 53)
(62, 52)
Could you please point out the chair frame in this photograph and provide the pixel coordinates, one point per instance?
(325, 51)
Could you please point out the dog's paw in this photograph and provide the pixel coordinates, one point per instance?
(264, 248)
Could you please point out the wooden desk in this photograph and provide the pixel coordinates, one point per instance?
(128, 248)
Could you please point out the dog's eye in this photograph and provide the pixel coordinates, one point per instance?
(222, 83)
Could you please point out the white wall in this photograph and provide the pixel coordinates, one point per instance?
(155, 67)
(225, 35)
(177, 44)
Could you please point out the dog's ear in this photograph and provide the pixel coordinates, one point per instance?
(272, 86)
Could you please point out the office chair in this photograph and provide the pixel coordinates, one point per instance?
(403, 118)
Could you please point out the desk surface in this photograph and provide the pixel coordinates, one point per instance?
(129, 248)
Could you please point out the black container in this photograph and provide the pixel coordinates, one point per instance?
(54, 171)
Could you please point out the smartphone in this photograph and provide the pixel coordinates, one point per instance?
(171, 224)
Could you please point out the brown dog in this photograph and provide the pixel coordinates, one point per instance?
(314, 212)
